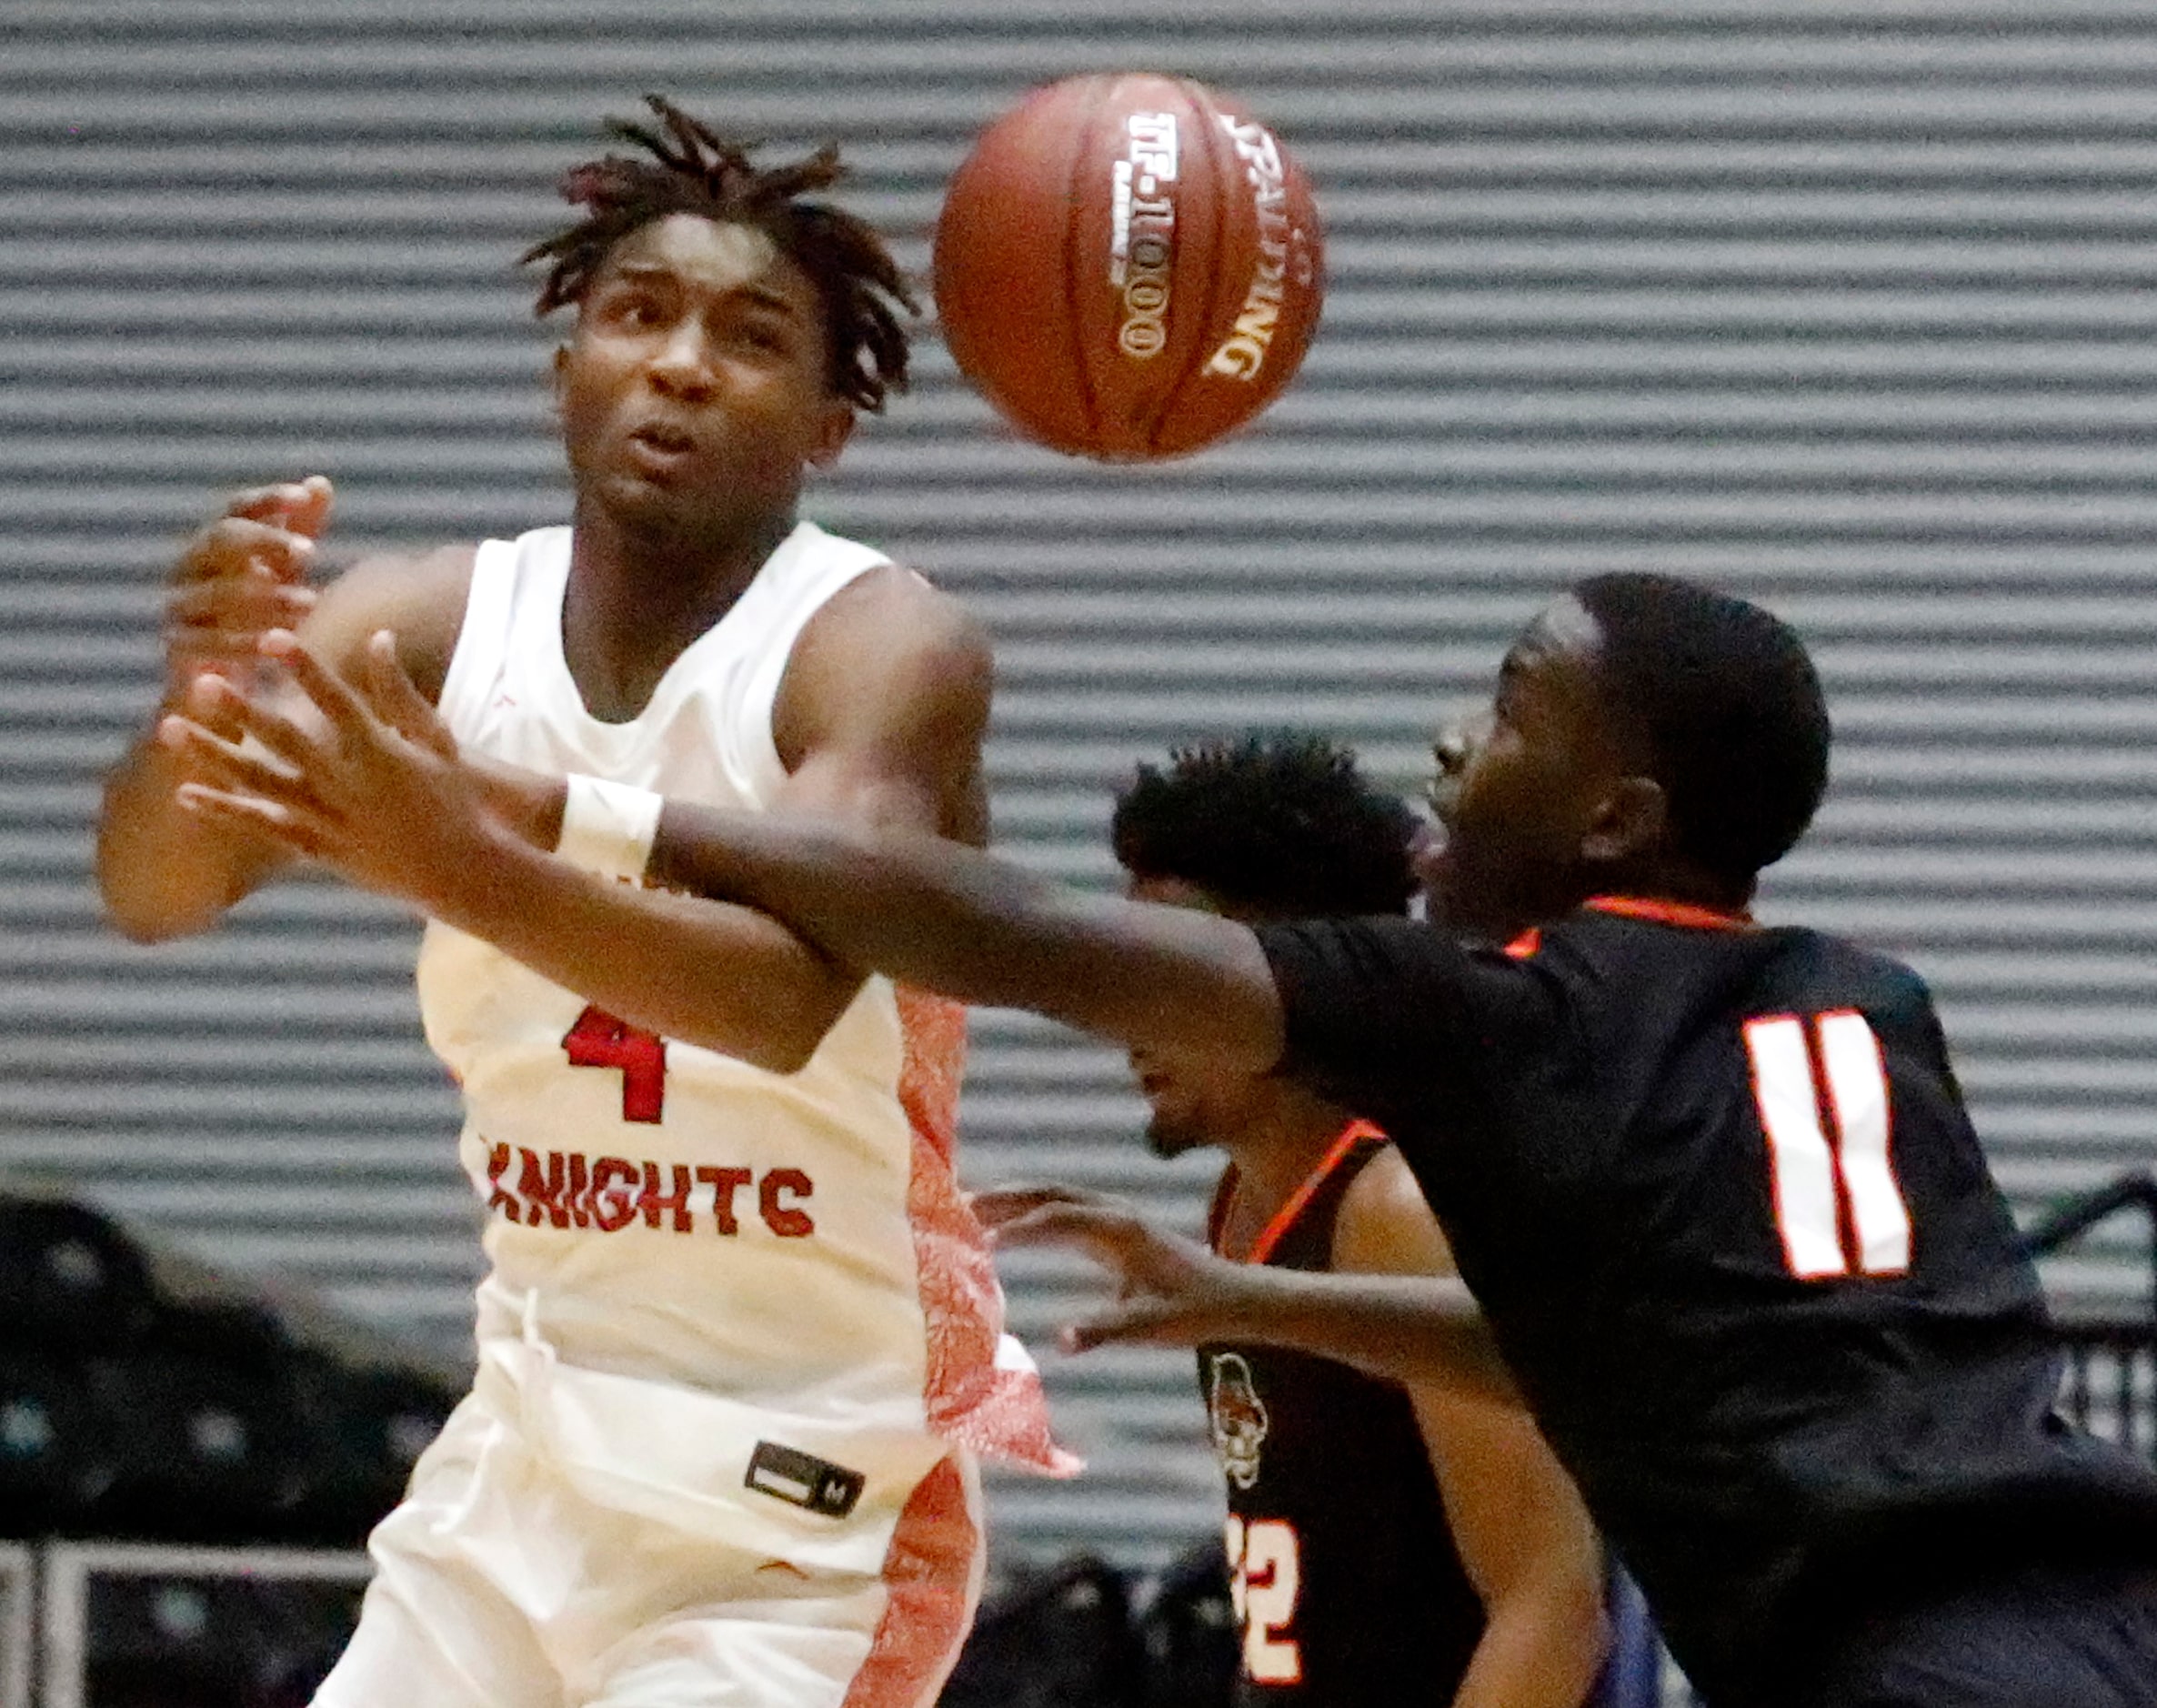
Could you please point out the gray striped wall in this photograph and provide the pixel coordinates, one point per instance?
(1846, 304)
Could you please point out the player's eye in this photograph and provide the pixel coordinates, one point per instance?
(629, 309)
(764, 336)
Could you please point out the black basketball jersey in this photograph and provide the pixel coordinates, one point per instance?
(1342, 1567)
(1715, 1189)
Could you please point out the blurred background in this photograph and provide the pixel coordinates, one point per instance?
(1845, 304)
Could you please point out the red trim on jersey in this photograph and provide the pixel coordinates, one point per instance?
(1526, 944)
(1671, 913)
(1285, 1218)
(970, 1399)
(929, 1577)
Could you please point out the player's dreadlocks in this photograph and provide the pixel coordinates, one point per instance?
(1278, 824)
(696, 171)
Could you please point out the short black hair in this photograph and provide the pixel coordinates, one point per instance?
(694, 170)
(1731, 709)
(1278, 824)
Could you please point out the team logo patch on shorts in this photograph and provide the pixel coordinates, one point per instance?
(786, 1473)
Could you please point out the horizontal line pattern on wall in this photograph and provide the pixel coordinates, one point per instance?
(1845, 306)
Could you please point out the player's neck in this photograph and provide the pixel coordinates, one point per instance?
(1669, 880)
(1672, 880)
(636, 601)
(1273, 1158)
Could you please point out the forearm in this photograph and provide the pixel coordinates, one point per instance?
(1401, 1327)
(698, 972)
(528, 803)
(1541, 1645)
(163, 873)
(965, 924)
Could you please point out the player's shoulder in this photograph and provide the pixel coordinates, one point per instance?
(1829, 970)
(1673, 960)
(1385, 1225)
(894, 602)
(419, 596)
(892, 629)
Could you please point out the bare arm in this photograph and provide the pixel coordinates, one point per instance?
(885, 728)
(987, 932)
(166, 874)
(1523, 1535)
(880, 721)
(870, 892)
(1173, 1291)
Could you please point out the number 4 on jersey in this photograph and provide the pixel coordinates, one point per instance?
(1840, 1201)
(600, 1041)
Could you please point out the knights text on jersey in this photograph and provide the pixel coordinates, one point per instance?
(1716, 1190)
(1341, 1564)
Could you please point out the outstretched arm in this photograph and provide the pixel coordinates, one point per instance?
(1172, 1291)
(987, 932)
(864, 894)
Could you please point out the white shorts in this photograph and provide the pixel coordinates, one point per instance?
(575, 1539)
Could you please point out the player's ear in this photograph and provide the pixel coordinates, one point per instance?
(834, 427)
(1627, 821)
(559, 374)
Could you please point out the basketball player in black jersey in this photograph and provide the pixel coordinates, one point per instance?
(1711, 1182)
(1386, 1546)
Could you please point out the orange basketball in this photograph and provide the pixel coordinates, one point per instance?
(1127, 266)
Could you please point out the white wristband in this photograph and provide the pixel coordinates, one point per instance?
(608, 828)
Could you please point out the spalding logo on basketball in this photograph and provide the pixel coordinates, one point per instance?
(1127, 267)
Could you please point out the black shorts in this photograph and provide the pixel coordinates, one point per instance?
(2044, 1637)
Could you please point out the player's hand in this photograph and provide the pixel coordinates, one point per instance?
(243, 575)
(375, 792)
(1170, 1290)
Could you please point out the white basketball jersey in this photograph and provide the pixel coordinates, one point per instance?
(659, 1211)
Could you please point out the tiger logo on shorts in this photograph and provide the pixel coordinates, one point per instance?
(1236, 1416)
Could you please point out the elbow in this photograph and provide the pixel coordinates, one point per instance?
(138, 918)
(1577, 1613)
(785, 1057)
(782, 1037)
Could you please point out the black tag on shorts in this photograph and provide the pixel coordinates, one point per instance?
(786, 1473)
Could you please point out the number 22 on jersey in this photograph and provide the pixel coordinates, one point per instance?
(1838, 1206)
(1265, 1579)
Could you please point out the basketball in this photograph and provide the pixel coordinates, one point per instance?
(1127, 266)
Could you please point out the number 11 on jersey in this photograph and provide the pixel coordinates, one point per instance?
(1837, 1201)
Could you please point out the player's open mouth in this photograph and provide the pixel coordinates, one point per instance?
(667, 443)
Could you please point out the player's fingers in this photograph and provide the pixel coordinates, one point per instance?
(999, 1205)
(253, 602)
(238, 714)
(240, 546)
(192, 672)
(310, 514)
(333, 696)
(214, 756)
(392, 696)
(1105, 1232)
(271, 818)
(284, 503)
(1138, 1321)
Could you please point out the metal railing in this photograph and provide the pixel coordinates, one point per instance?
(2109, 1387)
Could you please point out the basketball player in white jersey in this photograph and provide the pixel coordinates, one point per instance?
(739, 1342)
